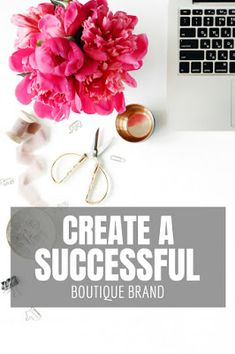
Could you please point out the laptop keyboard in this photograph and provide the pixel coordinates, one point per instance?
(207, 41)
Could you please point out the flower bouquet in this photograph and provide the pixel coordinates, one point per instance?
(74, 56)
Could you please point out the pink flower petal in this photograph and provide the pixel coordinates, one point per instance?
(104, 107)
(89, 68)
(42, 110)
(77, 104)
(54, 83)
(46, 8)
(73, 18)
(23, 91)
(142, 46)
(120, 104)
(21, 20)
(96, 54)
(131, 60)
(87, 103)
(129, 80)
(19, 61)
(51, 26)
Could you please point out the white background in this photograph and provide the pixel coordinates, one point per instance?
(183, 169)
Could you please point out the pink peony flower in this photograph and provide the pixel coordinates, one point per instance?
(47, 21)
(54, 96)
(102, 90)
(76, 13)
(28, 25)
(76, 58)
(58, 56)
(108, 39)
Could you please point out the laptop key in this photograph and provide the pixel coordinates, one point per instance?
(196, 67)
(222, 55)
(185, 21)
(209, 12)
(191, 55)
(184, 68)
(221, 12)
(208, 67)
(205, 43)
(211, 55)
(232, 55)
(208, 21)
(231, 21)
(197, 12)
(214, 32)
(216, 43)
(202, 32)
(232, 67)
(220, 21)
(185, 12)
(189, 43)
(187, 32)
(196, 21)
(228, 43)
(225, 32)
(221, 67)
(232, 12)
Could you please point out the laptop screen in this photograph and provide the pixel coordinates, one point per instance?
(211, 1)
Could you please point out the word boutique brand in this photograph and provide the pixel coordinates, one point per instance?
(123, 257)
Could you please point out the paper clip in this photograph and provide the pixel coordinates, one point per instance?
(32, 314)
(75, 126)
(117, 158)
(6, 181)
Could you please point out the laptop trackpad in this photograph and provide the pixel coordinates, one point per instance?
(233, 103)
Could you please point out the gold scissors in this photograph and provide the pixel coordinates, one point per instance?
(82, 158)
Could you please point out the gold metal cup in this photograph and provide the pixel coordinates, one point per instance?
(136, 124)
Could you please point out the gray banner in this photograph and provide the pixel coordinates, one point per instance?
(118, 257)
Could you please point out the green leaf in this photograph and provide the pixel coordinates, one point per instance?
(23, 74)
(63, 3)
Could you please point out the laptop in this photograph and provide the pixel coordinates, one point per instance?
(201, 65)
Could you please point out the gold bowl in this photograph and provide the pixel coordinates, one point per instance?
(136, 124)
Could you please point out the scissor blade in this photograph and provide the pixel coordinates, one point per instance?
(103, 148)
(96, 142)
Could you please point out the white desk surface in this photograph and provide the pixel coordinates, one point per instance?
(180, 169)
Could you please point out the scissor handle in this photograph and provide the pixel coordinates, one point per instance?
(82, 159)
(98, 169)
